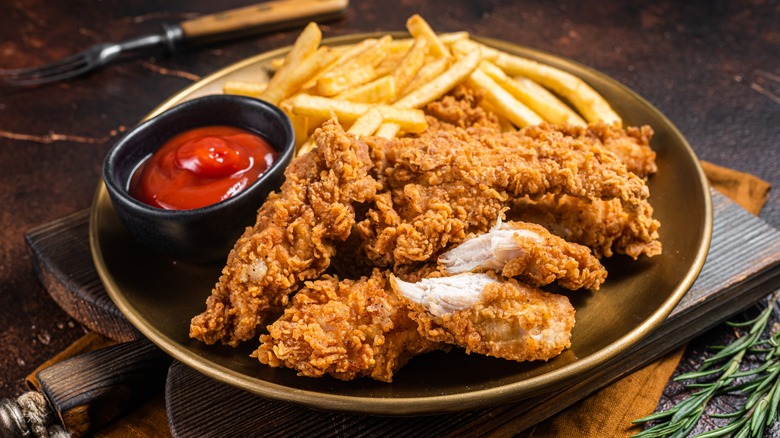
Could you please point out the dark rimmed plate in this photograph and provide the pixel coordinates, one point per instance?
(160, 296)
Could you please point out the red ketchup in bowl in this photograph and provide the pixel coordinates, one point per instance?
(201, 167)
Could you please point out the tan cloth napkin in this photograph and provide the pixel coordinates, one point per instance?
(607, 413)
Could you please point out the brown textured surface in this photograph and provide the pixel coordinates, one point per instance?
(708, 66)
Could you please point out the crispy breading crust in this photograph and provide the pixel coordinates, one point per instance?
(292, 240)
(602, 225)
(443, 185)
(543, 261)
(346, 329)
(631, 146)
(512, 321)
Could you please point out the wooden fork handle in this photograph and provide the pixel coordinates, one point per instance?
(272, 15)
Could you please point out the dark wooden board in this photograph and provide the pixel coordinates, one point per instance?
(63, 262)
(743, 266)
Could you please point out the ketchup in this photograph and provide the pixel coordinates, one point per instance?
(201, 167)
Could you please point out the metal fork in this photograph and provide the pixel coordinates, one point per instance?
(90, 59)
(273, 15)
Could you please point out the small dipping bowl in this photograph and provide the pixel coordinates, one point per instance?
(206, 234)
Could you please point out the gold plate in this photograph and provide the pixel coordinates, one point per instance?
(160, 296)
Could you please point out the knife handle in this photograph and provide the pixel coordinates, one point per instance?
(273, 15)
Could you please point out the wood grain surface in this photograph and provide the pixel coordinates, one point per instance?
(711, 67)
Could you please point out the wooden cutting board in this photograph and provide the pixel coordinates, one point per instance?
(742, 267)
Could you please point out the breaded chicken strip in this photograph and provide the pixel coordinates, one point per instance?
(528, 252)
(346, 329)
(293, 239)
(631, 146)
(445, 184)
(484, 315)
(604, 226)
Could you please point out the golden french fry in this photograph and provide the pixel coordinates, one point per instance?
(315, 122)
(435, 89)
(389, 64)
(401, 46)
(506, 105)
(344, 54)
(305, 45)
(276, 63)
(450, 38)
(587, 101)
(410, 120)
(388, 130)
(366, 124)
(534, 96)
(419, 28)
(411, 64)
(356, 71)
(306, 147)
(293, 81)
(503, 122)
(404, 44)
(427, 73)
(547, 104)
(381, 90)
(300, 128)
(243, 88)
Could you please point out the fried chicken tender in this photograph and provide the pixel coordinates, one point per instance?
(445, 184)
(528, 252)
(293, 238)
(482, 314)
(604, 226)
(346, 329)
(631, 146)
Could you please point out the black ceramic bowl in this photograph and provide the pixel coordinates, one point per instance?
(204, 234)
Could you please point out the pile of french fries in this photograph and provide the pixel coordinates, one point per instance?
(379, 85)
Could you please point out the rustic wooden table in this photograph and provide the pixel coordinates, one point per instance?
(712, 68)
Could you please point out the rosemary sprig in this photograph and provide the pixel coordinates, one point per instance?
(761, 385)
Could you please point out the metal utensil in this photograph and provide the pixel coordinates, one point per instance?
(273, 15)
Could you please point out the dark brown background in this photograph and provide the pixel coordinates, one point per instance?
(712, 68)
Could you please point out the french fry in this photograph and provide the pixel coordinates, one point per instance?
(547, 104)
(505, 103)
(435, 89)
(276, 63)
(300, 128)
(343, 55)
(389, 64)
(427, 73)
(401, 46)
(388, 130)
(306, 147)
(315, 122)
(305, 45)
(298, 76)
(450, 38)
(356, 83)
(411, 64)
(356, 71)
(404, 44)
(534, 96)
(366, 124)
(503, 122)
(243, 88)
(419, 28)
(410, 120)
(381, 90)
(587, 101)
